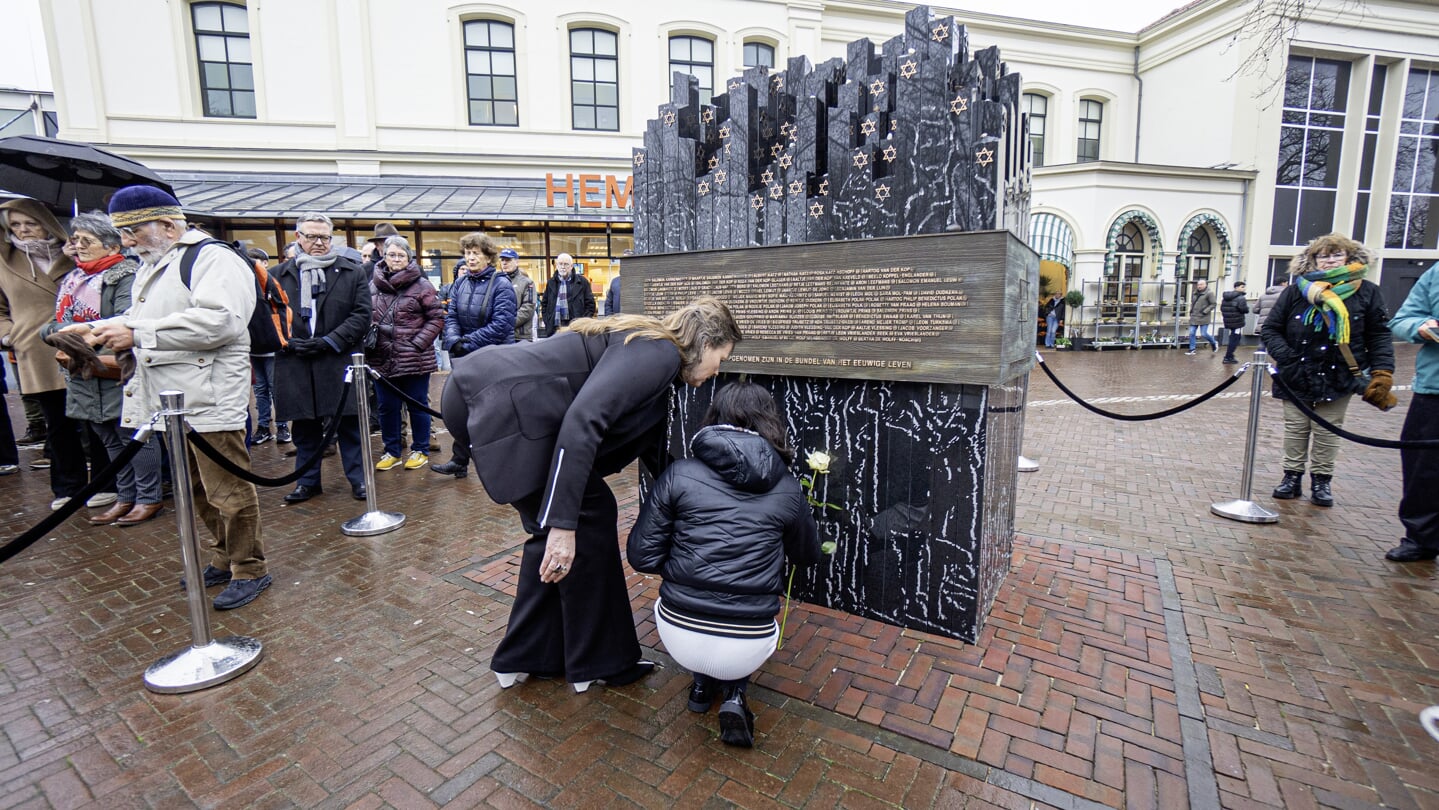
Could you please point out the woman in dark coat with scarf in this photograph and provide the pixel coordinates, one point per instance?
(406, 318)
(545, 423)
(1329, 337)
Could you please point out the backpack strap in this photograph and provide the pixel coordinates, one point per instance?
(192, 252)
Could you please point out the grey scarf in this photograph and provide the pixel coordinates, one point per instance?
(44, 250)
(312, 279)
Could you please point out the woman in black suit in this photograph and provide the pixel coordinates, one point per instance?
(545, 423)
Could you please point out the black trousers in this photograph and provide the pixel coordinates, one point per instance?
(69, 472)
(309, 435)
(9, 453)
(581, 627)
(1234, 337)
(1419, 505)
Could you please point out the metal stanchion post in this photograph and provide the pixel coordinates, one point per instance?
(207, 662)
(373, 521)
(1245, 510)
(1028, 465)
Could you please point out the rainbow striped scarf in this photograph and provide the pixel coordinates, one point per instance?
(1326, 291)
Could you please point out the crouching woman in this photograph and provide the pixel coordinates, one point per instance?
(718, 527)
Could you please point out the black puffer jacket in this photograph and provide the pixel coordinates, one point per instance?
(1233, 309)
(718, 527)
(1309, 361)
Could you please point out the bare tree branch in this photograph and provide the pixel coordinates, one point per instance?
(1268, 28)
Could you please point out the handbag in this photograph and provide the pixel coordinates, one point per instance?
(372, 335)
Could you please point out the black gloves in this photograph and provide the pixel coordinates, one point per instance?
(308, 347)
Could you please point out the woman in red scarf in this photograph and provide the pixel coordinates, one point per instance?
(99, 287)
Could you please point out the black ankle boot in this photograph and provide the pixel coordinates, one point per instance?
(702, 694)
(1290, 487)
(735, 719)
(1319, 493)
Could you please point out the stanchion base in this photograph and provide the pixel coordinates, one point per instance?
(372, 523)
(195, 668)
(1244, 512)
(1026, 465)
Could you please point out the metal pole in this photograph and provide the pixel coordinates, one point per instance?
(374, 521)
(207, 662)
(1245, 510)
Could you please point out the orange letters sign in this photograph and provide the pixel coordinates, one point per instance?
(587, 191)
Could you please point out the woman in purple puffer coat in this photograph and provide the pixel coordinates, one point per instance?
(406, 318)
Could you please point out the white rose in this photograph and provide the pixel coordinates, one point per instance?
(819, 461)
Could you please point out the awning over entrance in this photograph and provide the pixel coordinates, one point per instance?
(384, 198)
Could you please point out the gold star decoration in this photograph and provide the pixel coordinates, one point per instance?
(776, 191)
(958, 104)
(984, 156)
(720, 177)
(708, 116)
(756, 202)
(876, 87)
(893, 126)
(704, 187)
(795, 187)
(824, 188)
(940, 33)
(778, 81)
(735, 85)
(726, 149)
(787, 130)
(786, 161)
(767, 177)
(816, 209)
(908, 69)
(775, 150)
(890, 153)
(867, 127)
(714, 161)
(861, 159)
(724, 131)
(670, 118)
(639, 158)
(881, 191)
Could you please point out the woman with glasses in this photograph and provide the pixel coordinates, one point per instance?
(1329, 337)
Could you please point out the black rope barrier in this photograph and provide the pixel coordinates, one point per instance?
(62, 514)
(243, 474)
(1385, 444)
(1144, 417)
(409, 400)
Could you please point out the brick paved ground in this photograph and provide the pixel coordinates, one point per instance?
(1142, 652)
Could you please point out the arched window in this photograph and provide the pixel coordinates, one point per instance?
(595, 79)
(1091, 122)
(1037, 107)
(758, 54)
(1122, 276)
(695, 56)
(1198, 264)
(490, 73)
(222, 47)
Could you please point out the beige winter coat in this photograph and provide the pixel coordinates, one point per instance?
(194, 340)
(27, 300)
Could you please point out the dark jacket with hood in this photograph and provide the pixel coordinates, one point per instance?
(1308, 360)
(468, 324)
(719, 526)
(408, 317)
(1233, 309)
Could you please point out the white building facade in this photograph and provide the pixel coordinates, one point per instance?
(1160, 158)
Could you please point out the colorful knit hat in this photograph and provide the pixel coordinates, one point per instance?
(136, 205)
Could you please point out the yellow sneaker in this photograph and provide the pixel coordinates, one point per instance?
(387, 462)
(416, 460)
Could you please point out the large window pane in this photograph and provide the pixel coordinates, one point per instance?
(242, 77)
(695, 56)
(1286, 209)
(1310, 148)
(490, 72)
(222, 48)
(243, 103)
(758, 54)
(236, 20)
(594, 77)
(211, 49)
(1316, 215)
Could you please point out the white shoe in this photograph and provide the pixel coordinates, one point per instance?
(1189, 354)
(58, 504)
(100, 499)
(508, 679)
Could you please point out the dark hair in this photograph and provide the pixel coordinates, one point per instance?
(749, 406)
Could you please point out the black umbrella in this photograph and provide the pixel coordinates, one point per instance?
(67, 176)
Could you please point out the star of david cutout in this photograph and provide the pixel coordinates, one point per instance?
(708, 116)
(867, 127)
(724, 131)
(775, 150)
(786, 161)
(776, 191)
(713, 162)
(720, 177)
(787, 130)
(767, 132)
(890, 153)
(824, 188)
(861, 159)
(767, 177)
(756, 202)
(893, 126)
(795, 187)
(881, 191)
(958, 104)
(670, 119)
(908, 69)
(726, 149)
(940, 33)
(984, 156)
(778, 81)
(734, 85)
(876, 87)
(704, 187)
(816, 210)
(639, 158)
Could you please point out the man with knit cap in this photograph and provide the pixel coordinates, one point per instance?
(193, 339)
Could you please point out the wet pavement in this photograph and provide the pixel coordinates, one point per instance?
(1142, 652)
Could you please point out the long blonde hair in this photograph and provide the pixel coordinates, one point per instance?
(703, 323)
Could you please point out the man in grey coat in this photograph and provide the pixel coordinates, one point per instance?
(1201, 313)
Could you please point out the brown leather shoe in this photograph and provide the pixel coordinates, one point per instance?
(141, 513)
(114, 513)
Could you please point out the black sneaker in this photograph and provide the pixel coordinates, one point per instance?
(736, 722)
(33, 436)
(702, 694)
(213, 577)
(282, 435)
(241, 592)
(261, 436)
